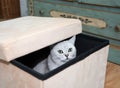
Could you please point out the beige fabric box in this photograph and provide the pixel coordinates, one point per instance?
(25, 41)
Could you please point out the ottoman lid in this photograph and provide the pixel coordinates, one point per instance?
(24, 35)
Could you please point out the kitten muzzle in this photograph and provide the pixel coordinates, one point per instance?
(67, 59)
(67, 55)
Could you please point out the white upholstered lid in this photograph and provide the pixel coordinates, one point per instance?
(24, 35)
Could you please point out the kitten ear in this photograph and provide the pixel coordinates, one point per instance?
(72, 40)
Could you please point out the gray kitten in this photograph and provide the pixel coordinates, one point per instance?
(59, 55)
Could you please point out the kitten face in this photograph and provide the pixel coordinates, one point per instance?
(64, 51)
(60, 54)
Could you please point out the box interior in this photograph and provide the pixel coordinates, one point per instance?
(85, 45)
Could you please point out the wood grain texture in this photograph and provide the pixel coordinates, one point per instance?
(85, 20)
(108, 32)
(114, 3)
(9, 9)
(112, 76)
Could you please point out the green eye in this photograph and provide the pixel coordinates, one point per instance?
(70, 49)
(60, 51)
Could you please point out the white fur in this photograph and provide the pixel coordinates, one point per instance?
(56, 59)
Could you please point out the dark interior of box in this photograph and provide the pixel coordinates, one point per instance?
(85, 46)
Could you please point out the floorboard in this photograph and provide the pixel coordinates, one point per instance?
(112, 76)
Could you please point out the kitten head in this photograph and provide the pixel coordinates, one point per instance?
(64, 51)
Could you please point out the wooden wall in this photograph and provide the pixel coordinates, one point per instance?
(0, 10)
(10, 9)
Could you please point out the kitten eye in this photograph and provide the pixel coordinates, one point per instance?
(60, 51)
(70, 49)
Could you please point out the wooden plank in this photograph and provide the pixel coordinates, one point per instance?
(17, 8)
(4, 6)
(85, 20)
(13, 8)
(114, 51)
(114, 55)
(10, 9)
(0, 10)
(113, 3)
(112, 76)
(7, 4)
(108, 31)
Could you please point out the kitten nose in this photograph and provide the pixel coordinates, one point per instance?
(66, 55)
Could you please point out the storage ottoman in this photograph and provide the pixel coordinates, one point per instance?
(26, 41)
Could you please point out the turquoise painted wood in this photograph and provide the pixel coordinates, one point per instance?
(114, 3)
(109, 31)
(76, 4)
(114, 55)
(108, 14)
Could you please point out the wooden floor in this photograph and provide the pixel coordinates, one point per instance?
(112, 76)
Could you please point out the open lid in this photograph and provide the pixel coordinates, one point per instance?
(24, 35)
